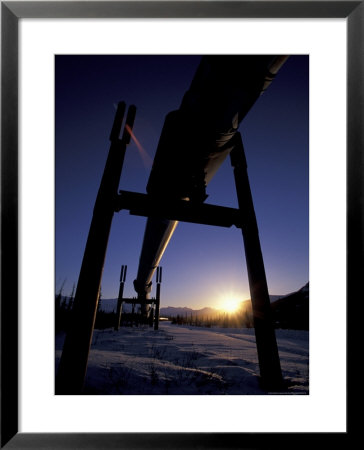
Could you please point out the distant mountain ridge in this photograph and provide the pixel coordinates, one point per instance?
(292, 310)
(173, 311)
(289, 311)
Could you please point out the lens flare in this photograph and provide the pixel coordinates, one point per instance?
(147, 160)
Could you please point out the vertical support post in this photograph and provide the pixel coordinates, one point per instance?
(120, 297)
(73, 363)
(269, 363)
(157, 298)
(151, 315)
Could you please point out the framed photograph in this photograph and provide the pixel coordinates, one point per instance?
(58, 60)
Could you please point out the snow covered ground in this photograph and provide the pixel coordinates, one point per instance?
(187, 360)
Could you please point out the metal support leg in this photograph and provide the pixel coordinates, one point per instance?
(269, 363)
(158, 296)
(151, 316)
(73, 363)
(120, 297)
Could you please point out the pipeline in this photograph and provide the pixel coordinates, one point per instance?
(196, 139)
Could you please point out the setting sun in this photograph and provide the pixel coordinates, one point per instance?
(230, 304)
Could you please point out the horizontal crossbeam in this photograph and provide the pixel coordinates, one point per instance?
(181, 210)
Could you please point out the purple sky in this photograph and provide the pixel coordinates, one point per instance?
(202, 264)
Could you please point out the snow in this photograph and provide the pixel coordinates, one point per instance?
(187, 360)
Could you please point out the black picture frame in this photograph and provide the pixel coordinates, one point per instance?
(11, 12)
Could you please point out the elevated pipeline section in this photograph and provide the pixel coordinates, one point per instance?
(196, 139)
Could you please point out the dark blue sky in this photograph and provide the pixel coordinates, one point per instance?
(202, 264)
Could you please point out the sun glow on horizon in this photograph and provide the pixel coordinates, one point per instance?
(230, 304)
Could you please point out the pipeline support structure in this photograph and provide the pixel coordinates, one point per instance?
(73, 363)
(194, 142)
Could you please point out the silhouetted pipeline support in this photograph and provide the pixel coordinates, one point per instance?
(120, 296)
(158, 297)
(73, 363)
(268, 356)
(176, 210)
(197, 138)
